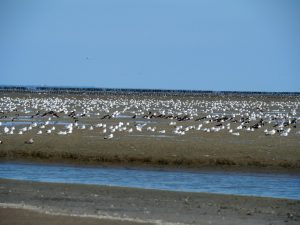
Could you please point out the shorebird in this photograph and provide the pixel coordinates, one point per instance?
(199, 127)
(139, 128)
(6, 129)
(271, 132)
(30, 141)
(110, 136)
(173, 123)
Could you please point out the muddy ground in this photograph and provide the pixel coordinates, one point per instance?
(130, 205)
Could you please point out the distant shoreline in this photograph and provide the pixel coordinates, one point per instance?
(96, 90)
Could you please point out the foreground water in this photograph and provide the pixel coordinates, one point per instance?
(251, 184)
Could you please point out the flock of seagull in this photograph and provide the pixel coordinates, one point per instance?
(162, 116)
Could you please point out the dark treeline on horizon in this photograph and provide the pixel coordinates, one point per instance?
(55, 89)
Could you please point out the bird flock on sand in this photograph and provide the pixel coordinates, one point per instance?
(109, 117)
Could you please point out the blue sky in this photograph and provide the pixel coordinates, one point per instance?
(236, 45)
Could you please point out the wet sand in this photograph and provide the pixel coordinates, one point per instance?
(25, 217)
(129, 206)
(184, 152)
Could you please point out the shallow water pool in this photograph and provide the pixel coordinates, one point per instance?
(251, 184)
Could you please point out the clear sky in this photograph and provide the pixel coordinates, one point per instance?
(235, 45)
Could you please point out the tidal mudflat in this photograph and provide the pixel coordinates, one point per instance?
(218, 132)
(62, 202)
(157, 130)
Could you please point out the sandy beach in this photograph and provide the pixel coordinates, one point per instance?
(99, 204)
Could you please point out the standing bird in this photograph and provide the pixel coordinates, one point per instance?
(109, 136)
(30, 141)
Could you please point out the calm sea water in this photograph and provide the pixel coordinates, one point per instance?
(251, 184)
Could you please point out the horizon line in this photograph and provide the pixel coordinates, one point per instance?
(88, 88)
